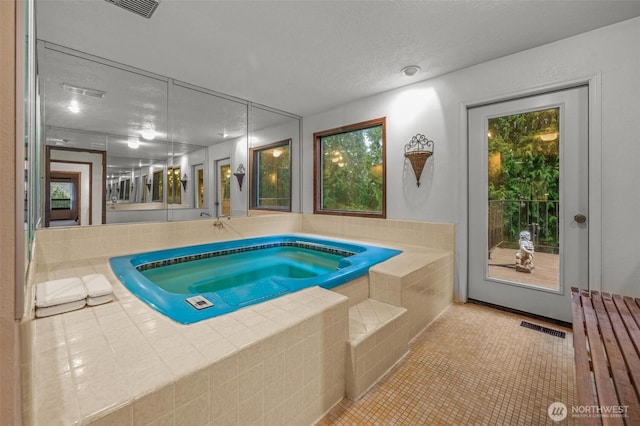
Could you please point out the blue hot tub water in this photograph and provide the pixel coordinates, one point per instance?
(221, 277)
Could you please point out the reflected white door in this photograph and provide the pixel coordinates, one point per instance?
(528, 200)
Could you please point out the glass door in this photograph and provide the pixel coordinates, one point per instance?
(199, 186)
(223, 200)
(528, 174)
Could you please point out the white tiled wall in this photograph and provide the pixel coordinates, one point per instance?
(424, 288)
(378, 338)
(420, 234)
(125, 364)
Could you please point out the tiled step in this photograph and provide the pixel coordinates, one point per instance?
(378, 338)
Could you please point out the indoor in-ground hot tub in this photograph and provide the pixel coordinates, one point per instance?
(189, 284)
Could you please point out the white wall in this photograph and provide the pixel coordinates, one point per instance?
(609, 58)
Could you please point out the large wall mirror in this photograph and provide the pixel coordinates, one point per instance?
(123, 145)
(206, 128)
(274, 158)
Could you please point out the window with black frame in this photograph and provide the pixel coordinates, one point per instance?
(271, 176)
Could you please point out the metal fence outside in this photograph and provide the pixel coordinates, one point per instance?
(508, 217)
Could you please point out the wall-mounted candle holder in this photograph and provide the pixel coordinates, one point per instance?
(184, 181)
(418, 152)
(239, 174)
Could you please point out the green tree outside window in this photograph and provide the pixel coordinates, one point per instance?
(350, 170)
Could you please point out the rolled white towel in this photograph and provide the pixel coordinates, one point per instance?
(59, 292)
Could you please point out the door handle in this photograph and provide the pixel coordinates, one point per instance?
(580, 218)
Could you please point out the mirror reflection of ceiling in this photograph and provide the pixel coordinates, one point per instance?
(306, 57)
(128, 103)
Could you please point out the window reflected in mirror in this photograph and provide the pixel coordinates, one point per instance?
(225, 189)
(271, 176)
(145, 188)
(174, 193)
(157, 186)
(124, 189)
(63, 200)
(199, 187)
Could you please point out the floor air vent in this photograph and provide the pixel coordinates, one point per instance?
(139, 7)
(542, 329)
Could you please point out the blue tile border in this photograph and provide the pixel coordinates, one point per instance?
(199, 256)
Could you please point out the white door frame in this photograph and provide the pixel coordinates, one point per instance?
(594, 82)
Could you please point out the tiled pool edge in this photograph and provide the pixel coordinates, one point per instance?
(248, 372)
(125, 238)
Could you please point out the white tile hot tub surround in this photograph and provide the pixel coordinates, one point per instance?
(124, 363)
(378, 339)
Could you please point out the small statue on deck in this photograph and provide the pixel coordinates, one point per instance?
(524, 255)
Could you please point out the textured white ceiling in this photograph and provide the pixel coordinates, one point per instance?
(305, 57)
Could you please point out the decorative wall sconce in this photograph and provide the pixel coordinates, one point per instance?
(418, 152)
(239, 174)
(149, 182)
(184, 181)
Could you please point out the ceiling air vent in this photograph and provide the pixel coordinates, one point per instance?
(139, 7)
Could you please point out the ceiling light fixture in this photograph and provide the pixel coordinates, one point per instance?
(148, 132)
(74, 107)
(277, 153)
(76, 90)
(410, 70)
(133, 143)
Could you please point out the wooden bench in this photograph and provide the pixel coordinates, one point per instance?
(606, 341)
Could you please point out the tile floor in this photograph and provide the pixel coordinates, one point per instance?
(474, 366)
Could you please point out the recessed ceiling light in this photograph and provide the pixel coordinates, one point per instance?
(410, 70)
